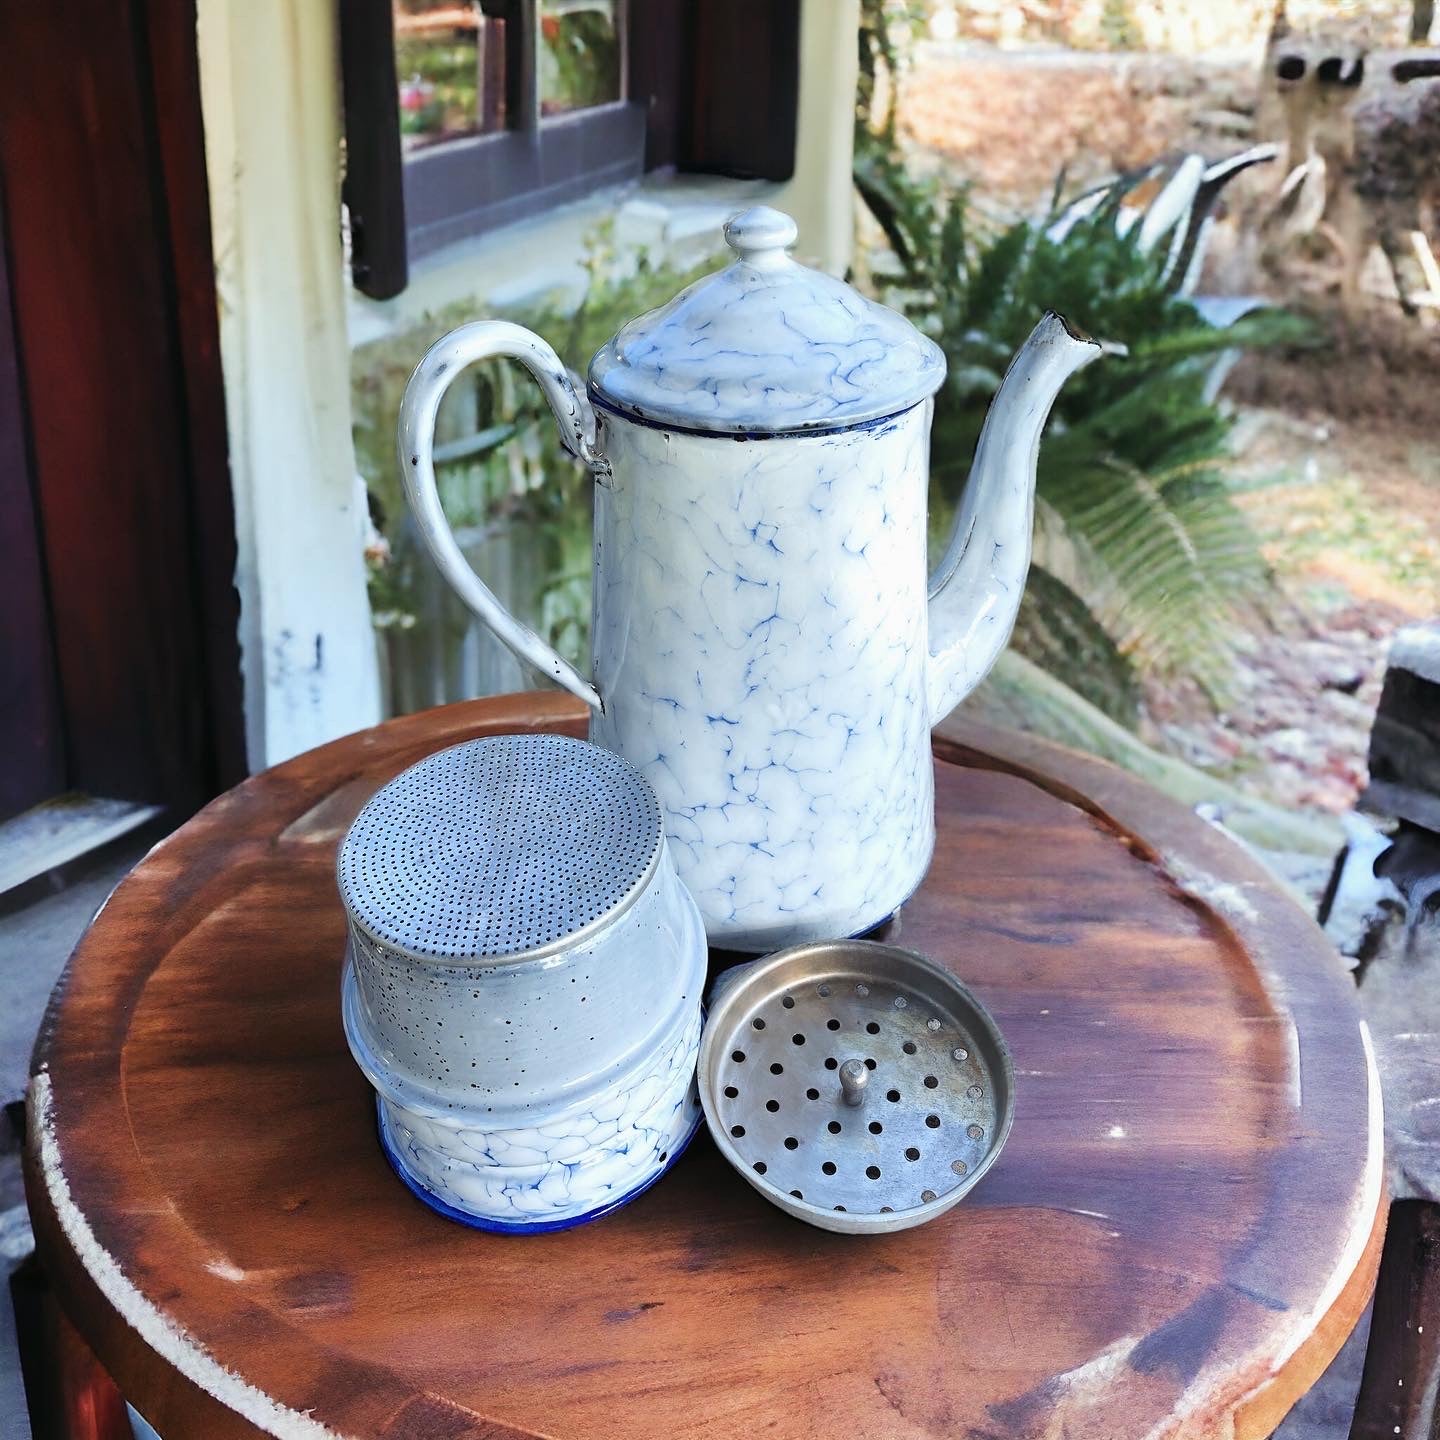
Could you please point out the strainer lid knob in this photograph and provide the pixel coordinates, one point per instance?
(856, 1085)
(853, 1079)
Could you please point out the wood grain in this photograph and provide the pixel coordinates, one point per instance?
(1401, 1383)
(1180, 1233)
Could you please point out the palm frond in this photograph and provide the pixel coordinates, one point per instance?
(1057, 629)
(1132, 470)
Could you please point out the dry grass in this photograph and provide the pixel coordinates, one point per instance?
(1357, 510)
(1011, 128)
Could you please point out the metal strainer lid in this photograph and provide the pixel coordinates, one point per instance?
(857, 1085)
(502, 848)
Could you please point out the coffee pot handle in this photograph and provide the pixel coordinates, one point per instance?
(486, 340)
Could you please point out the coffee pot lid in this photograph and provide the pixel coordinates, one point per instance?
(765, 346)
(858, 1086)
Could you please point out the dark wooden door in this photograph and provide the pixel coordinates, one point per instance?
(744, 85)
(116, 343)
(32, 754)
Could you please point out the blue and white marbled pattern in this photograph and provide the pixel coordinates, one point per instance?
(760, 641)
(580, 1163)
(765, 646)
(536, 1091)
(766, 345)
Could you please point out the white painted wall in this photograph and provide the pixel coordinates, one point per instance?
(271, 96)
(819, 195)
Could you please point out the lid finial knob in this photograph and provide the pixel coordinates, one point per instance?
(760, 236)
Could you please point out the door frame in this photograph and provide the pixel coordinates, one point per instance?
(116, 340)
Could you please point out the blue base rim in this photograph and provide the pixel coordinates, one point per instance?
(519, 1227)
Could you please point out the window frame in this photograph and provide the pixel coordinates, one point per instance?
(474, 183)
(678, 109)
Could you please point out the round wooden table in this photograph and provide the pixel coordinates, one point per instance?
(1181, 1232)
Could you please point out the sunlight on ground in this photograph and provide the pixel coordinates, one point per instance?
(1366, 522)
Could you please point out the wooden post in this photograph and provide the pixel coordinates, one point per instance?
(1402, 1363)
(270, 87)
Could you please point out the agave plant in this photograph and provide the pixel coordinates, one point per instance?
(1141, 554)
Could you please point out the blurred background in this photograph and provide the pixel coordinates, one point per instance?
(1233, 523)
(216, 293)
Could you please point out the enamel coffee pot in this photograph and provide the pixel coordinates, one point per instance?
(765, 648)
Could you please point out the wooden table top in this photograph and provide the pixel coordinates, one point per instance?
(1182, 1230)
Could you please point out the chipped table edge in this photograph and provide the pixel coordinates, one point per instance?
(170, 1341)
(1242, 896)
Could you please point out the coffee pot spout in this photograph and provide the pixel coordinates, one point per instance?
(975, 593)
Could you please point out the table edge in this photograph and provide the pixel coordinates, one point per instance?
(1229, 888)
(1153, 824)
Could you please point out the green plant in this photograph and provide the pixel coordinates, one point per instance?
(438, 81)
(1118, 29)
(886, 29)
(1140, 548)
(580, 59)
(507, 466)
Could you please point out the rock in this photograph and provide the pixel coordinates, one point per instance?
(1292, 744)
(1332, 665)
(1405, 741)
(1231, 124)
(1360, 901)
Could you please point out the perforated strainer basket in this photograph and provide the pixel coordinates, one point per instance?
(500, 849)
(523, 980)
(859, 1086)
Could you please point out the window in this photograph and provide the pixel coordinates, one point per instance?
(463, 115)
(461, 68)
(452, 71)
(514, 106)
(580, 55)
